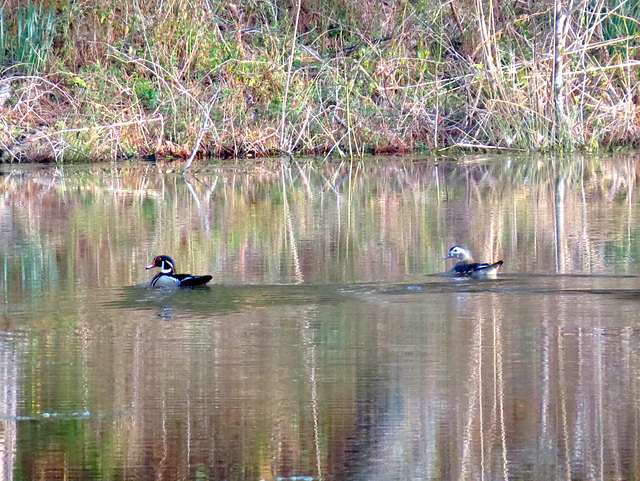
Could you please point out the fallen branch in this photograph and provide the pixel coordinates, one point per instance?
(119, 124)
(487, 147)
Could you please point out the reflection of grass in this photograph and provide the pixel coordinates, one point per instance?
(74, 234)
(238, 229)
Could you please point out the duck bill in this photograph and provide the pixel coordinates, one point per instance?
(150, 266)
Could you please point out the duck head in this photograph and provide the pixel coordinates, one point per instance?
(165, 263)
(460, 253)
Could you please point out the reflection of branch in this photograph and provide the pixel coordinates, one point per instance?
(333, 184)
(474, 395)
(312, 363)
(498, 356)
(562, 383)
(559, 231)
(289, 224)
(204, 219)
(7, 178)
(305, 181)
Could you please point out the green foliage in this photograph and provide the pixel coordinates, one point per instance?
(34, 29)
(147, 93)
(622, 19)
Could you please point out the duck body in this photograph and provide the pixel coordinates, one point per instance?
(167, 276)
(465, 267)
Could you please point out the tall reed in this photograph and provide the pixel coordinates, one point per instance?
(33, 38)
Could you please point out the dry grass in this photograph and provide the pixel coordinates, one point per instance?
(248, 80)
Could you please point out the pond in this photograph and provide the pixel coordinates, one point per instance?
(328, 346)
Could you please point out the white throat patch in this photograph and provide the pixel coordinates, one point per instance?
(166, 268)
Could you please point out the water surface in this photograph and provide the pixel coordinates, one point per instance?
(328, 346)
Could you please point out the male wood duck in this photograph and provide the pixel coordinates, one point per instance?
(465, 267)
(167, 276)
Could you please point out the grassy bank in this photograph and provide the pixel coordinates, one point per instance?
(109, 80)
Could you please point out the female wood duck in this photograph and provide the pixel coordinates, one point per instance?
(167, 276)
(465, 267)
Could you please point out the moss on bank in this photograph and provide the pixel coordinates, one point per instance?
(109, 80)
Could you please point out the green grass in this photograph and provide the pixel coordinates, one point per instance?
(27, 41)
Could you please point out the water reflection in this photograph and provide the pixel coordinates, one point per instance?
(327, 347)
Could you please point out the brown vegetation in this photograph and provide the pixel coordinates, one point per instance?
(121, 78)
